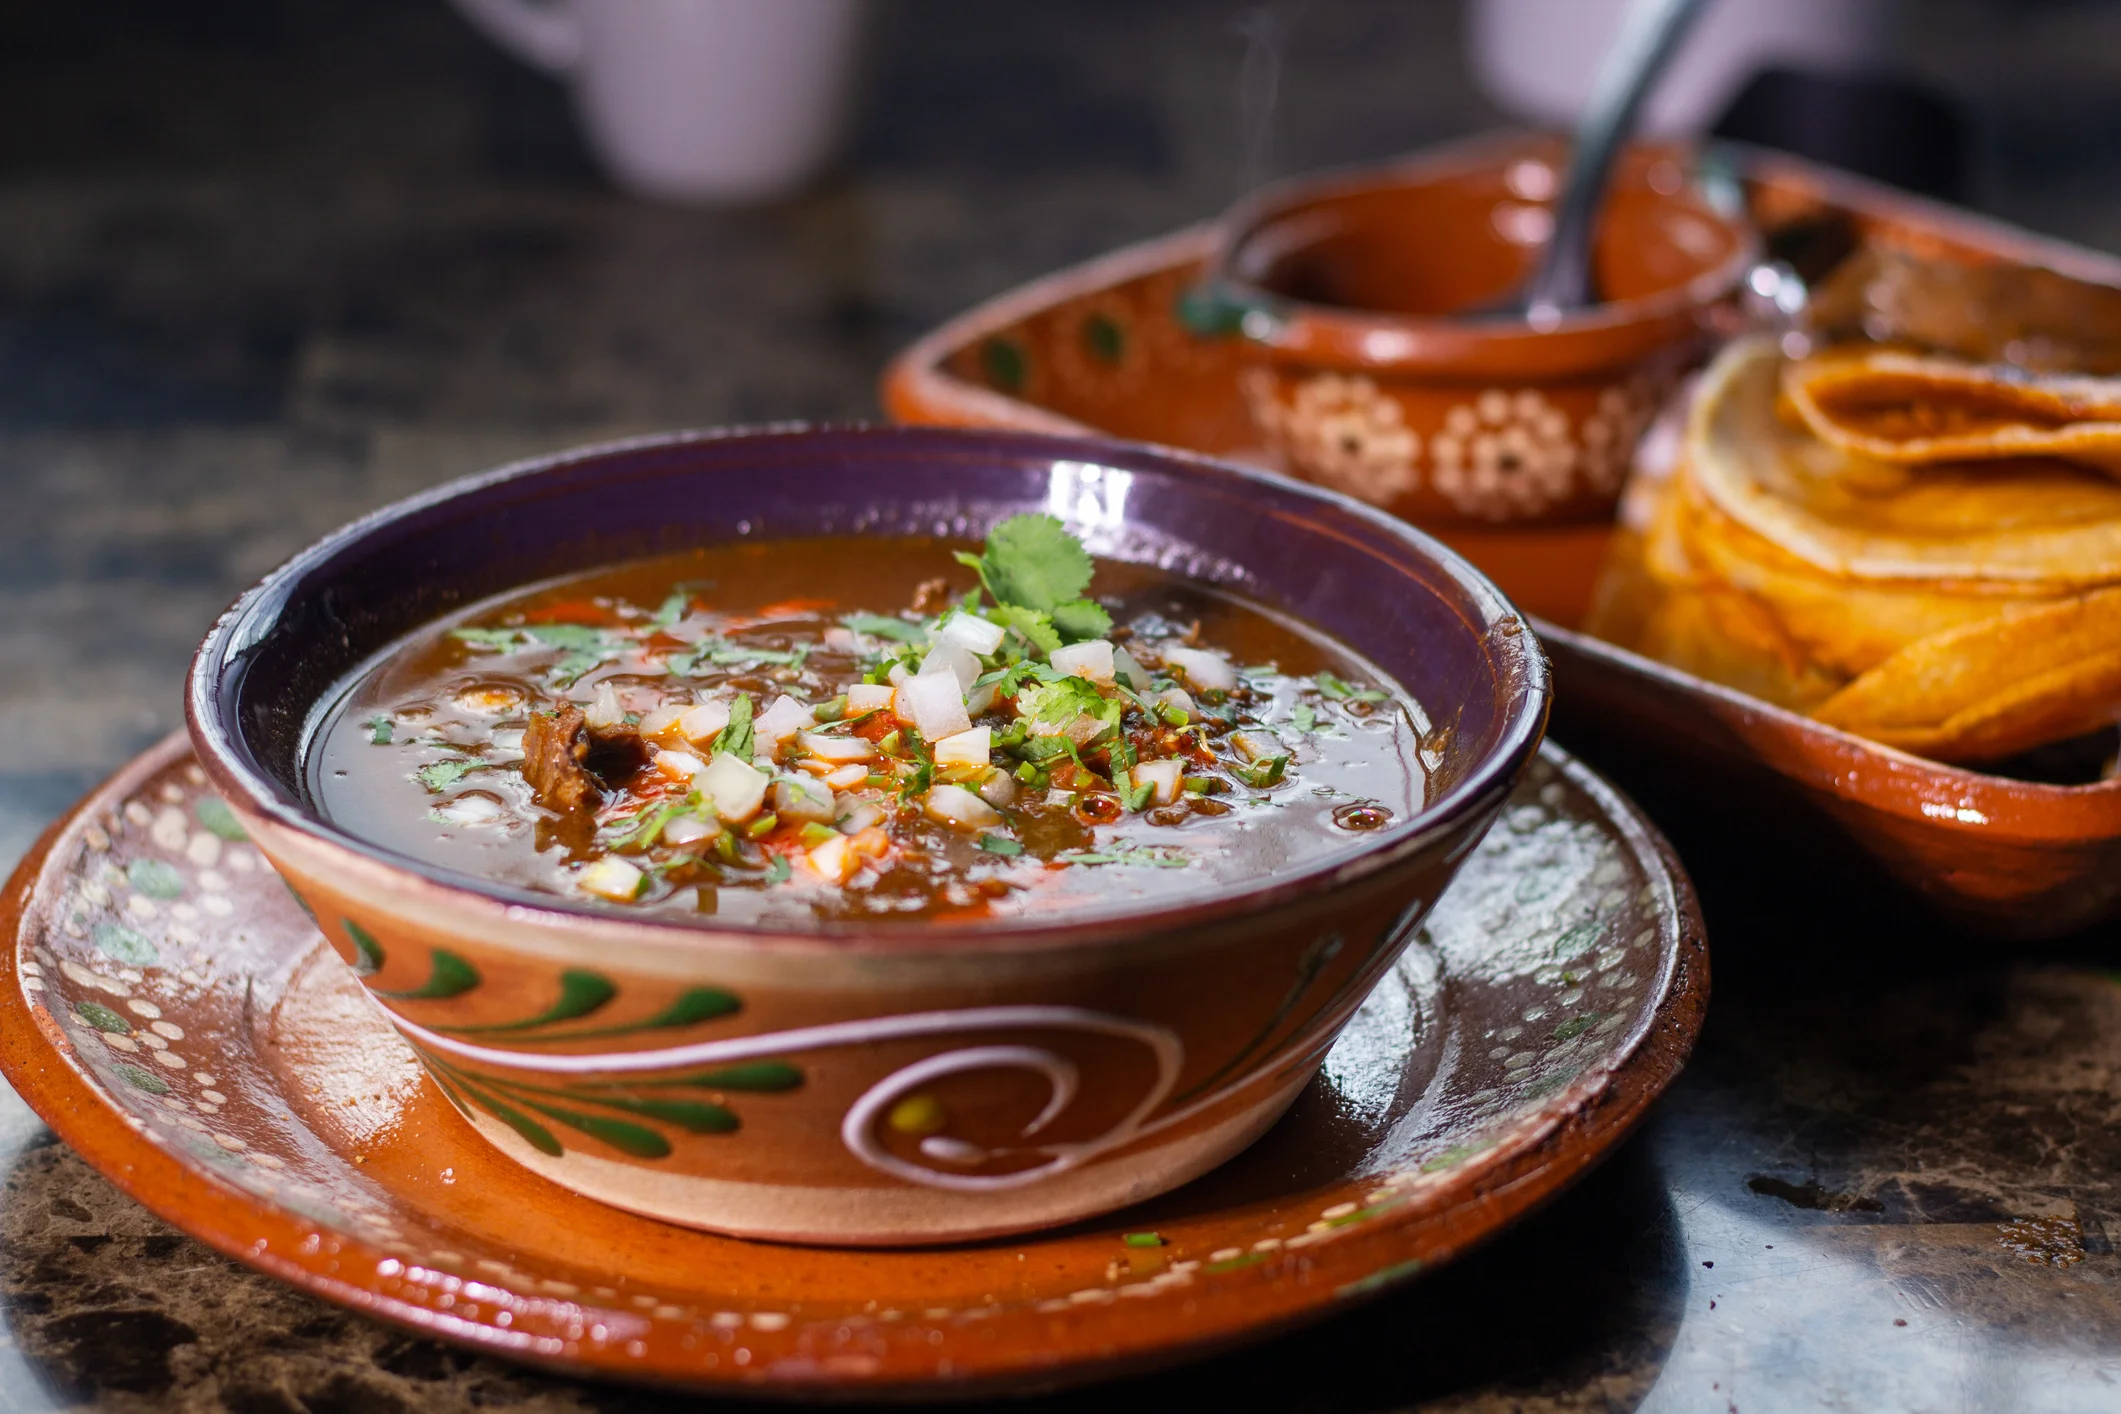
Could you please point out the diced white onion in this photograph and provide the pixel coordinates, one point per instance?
(834, 748)
(604, 711)
(736, 787)
(664, 719)
(847, 777)
(959, 808)
(1163, 777)
(998, 789)
(704, 722)
(679, 765)
(781, 721)
(1092, 660)
(1207, 672)
(867, 697)
(802, 800)
(611, 877)
(858, 815)
(1057, 796)
(899, 673)
(689, 829)
(474, 808)
(1181, 699)
(980, 699)
(973, 634)
(508, 740)
(842, 640)
(833, 859)
(934, 704)
(1128, 671)
(1256, 746)
(949, 657)
(967, 748)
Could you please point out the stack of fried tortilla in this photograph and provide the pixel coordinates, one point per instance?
(1911, 545)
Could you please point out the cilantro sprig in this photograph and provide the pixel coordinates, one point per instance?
(1038, 575)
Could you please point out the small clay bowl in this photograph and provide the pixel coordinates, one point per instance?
(1086, 1062)
(1353, 292)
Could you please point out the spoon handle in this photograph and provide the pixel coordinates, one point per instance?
(1649, 32)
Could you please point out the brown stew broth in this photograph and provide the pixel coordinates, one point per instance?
(424, 752)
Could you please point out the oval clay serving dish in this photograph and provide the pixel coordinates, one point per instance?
(1112, 346)
(170, 1011)
(749, 1077)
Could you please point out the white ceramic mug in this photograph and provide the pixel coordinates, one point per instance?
(694, 100)
(1537, 58)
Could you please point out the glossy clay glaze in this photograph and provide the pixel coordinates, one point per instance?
(1351, 291)
(787, 1083)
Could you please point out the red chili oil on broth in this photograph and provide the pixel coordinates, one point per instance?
(856, 728)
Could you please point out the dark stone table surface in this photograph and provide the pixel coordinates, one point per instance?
(266, 264)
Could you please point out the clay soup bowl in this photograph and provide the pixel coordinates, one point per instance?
(1094, 1059)
(1348, 290)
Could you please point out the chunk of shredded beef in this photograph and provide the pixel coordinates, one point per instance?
(555, 746)
(568, 763)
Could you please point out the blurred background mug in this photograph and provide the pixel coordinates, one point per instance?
(694, 100)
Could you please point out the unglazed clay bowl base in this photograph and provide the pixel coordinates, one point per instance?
(1347, 292)
(166, 1007)
(887, 1081)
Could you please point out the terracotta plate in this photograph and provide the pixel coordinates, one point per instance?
(167, 1008)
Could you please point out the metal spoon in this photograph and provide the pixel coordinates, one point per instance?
(1649, 33)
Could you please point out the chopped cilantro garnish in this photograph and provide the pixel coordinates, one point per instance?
(644, 829)
(500, 640)
(1303, 717)
(1266, 771)
(774, 657)
(378, 730)
(1334, 688)
(439, 776)
(1147, 857)
(883, 626)
(1134, 797)
(777, 870)
(1033, 565)
(1034, 627)
(1082, 618)
(999, 844)
(578, 638)
(672, 610)
(735, 738)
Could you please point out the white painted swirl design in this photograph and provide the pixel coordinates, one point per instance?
(857, 1128)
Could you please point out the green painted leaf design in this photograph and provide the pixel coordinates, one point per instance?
(1104, 339)
(627, 1138)
(535, 1134)
(693, 1116)
(760, 1077)
(580, 994)
(102, 1018)
(118, 941)
(694, 1006)
(300, 902)
(155, 878)
(368, 950)
(213, 812)
(141, 1078)
(448, 976)
(1005, 364)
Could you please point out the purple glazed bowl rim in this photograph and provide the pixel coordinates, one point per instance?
(1519, 681)
(1433, 342)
